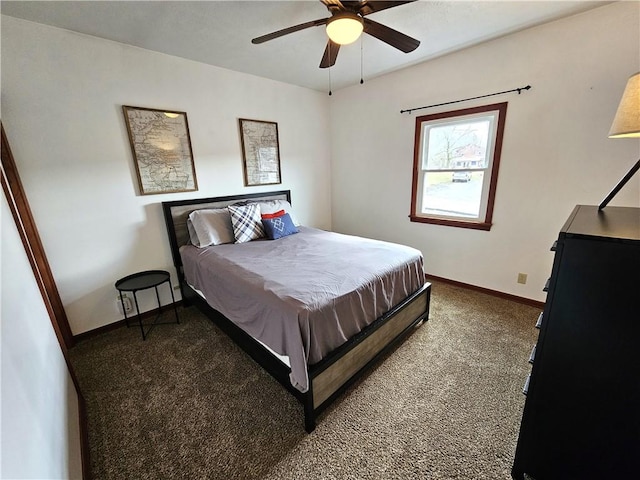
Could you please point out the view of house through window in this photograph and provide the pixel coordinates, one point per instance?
(455, 166)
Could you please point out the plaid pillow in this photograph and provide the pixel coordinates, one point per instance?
(246, 223)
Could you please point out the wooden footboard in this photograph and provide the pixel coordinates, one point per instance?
(346, 364)
(365, 348)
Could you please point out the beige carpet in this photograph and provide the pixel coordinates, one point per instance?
(187, 403)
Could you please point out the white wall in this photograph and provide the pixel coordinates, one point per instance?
(40, 431)
(62, 95)
(556, 153)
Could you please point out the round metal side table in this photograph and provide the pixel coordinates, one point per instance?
(142, 281)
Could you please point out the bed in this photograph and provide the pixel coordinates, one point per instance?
(309, 317)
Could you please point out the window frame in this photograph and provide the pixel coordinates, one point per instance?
(496, 134)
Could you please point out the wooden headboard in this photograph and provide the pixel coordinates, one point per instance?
(177, 212)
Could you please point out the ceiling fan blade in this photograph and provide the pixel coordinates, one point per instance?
(330, 54)
(367, 7)
(286, 31)
(390, 36)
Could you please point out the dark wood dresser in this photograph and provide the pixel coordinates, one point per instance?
(581, 417)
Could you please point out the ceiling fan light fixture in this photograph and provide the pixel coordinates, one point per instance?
(345, 28)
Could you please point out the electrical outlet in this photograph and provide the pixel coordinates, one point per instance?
(126, 300)
(522, 278)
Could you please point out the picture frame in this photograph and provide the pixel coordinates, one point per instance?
(260, 152)
(161, 148)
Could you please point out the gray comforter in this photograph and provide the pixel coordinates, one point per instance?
(305, 294)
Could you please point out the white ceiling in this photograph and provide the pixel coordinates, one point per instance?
(220, 32)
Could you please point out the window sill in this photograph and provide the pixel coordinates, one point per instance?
(452, 223)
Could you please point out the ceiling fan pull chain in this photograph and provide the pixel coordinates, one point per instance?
(361, 61)
(329, 69)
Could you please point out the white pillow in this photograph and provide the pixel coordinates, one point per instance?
(272, 206)
(211, 226)
(193, 236)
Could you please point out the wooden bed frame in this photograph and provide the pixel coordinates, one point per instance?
(332, 375)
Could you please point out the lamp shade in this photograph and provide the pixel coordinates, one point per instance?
(627, 120)
(344, 28)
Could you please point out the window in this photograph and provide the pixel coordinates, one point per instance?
(455, 166)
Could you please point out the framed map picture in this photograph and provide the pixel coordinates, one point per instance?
(260, 152)
(161, 150)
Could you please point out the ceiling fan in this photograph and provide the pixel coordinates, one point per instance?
(349, 17)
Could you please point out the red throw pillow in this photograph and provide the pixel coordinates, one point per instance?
(277, 214)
